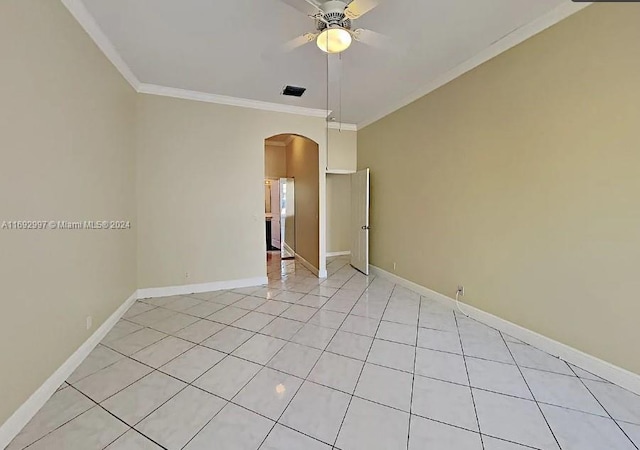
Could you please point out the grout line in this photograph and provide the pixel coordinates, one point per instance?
(466, 368)
(255, 412)
(190, 384)
(532, 395)
(102, 368)
(152, 371)
(288, 341)
(603, 407)
(60, 426)
(252, 378)
(524, 344)
(524, 446)
(305, 379)
(413, 375)
(363, 365)
(331, 387)
(117, 418)
(316, 363)
(301, 384)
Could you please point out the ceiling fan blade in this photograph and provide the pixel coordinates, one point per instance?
(374, 39)
(358, 8)
(291, 45)
(307, 7)
(298, 42)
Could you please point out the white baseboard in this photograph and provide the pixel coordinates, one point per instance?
(345, 253)
(202, 287)
(25, 413)
(597, 366)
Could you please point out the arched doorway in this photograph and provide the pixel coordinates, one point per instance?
(292, 205)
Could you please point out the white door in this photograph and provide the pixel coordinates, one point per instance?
(360, 221)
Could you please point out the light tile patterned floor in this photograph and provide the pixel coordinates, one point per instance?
(351, 362)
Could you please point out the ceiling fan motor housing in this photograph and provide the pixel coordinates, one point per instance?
(333, 15)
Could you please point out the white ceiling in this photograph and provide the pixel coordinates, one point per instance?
(219, 47)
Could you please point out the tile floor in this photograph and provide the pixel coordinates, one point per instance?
(350, 362)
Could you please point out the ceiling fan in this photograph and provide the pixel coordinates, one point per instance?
(334, 24)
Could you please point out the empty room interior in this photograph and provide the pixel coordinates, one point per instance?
(319, 224)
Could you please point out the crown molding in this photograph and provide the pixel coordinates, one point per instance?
(164, 91)
(88, 23)
(82, 15)
(342, 126)
(512, 39)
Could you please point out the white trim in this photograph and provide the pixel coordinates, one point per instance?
(82, 15)
(29, 408)
(342, 126)
(184, 289)
(510, 40)
(164, 91)
(597, 366)
(345, 253)
(323, 152)
(88, 23)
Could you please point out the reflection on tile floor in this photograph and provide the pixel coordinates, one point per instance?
(351, 362)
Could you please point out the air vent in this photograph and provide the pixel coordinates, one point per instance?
(293, 91)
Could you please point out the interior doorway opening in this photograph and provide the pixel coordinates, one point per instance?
(292, 205)
(280, 216)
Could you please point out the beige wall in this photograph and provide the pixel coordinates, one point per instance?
(200, 185)
(67, 153)
(302, 166)
(338, 213)
(521, 181)
(71, 130)
(275, 161)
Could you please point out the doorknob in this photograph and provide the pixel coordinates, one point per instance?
(365, 227)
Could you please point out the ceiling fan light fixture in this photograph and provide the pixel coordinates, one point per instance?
(334, 40)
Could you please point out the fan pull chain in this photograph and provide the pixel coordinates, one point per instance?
(327, 116)
(340, 93)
